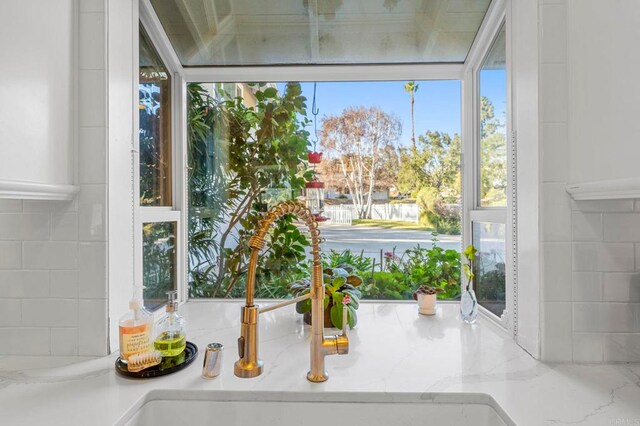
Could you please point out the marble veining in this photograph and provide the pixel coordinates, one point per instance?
(393, 350)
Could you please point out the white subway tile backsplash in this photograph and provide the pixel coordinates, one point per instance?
(24, 226)
(64, 284)
(93, 271)
(601, 206)
(556, 271)
(93, 326)
(606, 317)
(555, 152)
(622, 227)
(556, 212)
(620, 287)
(10, 255)
(587, 226)
(553, 93)
(622, 348)
(64, 226)
(604, 257)
(10, 206)
(92, 149)
(92, 212)
(17, 284)
(10, 226)
(10, 312)
(50, 312)
(91, 45)
(587, 287)
(557, 346)
(587, 347)
(64, 341)
(92, 97)
(553, 40)
(36, 206)
(50, 255)
(25, 341)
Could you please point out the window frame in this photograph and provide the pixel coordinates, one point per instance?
(497, 19)
(467, 73)
(174, 212)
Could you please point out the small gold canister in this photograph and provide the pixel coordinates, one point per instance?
(212, 360)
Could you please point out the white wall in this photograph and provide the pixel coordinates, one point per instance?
(60, 279)
(37, 77)
(591, 249)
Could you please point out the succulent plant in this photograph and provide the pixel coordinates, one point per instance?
(425, 289)
(340, 284)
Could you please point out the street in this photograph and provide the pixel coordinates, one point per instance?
(372, 240)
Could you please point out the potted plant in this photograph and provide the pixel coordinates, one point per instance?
(339, 284)
(426, 296)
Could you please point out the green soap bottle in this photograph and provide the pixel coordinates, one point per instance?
(171, 339)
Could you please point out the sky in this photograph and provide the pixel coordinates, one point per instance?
(437, 102)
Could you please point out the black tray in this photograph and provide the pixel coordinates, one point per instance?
(167, 366)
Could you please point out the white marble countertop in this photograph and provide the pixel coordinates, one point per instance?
(393, 349)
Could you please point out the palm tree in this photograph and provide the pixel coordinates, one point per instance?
(411, 88)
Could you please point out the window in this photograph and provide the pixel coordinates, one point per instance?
(155, 127)
(248, 149)
(487, 210)
(158, 219)
(493, 131)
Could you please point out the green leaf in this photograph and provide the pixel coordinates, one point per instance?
(336, 316)
(270, 92)
(303, 307)
(338, 282)
(354, 280)
(352, 317)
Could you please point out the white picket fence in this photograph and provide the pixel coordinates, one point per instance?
(344, 214)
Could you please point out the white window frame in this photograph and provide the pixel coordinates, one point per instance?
(175, 212)
(466, 73)
(497, 17)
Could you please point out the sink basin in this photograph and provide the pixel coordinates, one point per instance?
(224, 408)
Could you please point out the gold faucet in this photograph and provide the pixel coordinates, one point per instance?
(249, 365)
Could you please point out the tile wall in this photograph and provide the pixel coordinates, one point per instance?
(53, 254)
(590, 249)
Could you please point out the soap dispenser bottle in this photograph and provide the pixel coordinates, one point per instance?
(171, 337)
(136, 328)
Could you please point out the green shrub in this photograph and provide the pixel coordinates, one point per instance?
(387, 285)
(360, 263)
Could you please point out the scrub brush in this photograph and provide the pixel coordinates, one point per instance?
(139, 362)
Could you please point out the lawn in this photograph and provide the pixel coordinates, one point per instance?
(391, 224)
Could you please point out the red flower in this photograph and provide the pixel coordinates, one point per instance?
(346, 299)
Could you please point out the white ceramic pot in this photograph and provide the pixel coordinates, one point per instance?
(427, 304)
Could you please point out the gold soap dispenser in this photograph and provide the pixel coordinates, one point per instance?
(172, 337)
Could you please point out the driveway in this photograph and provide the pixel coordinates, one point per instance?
(372, 240)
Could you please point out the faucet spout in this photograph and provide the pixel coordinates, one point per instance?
(249, 364)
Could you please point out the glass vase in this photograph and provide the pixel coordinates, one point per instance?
(468, 306)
